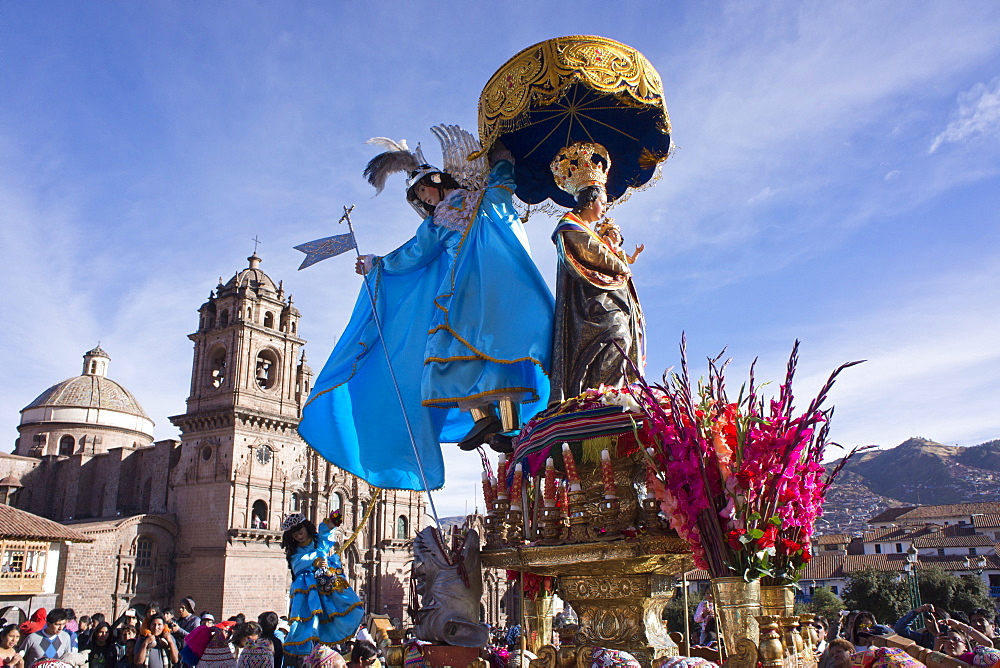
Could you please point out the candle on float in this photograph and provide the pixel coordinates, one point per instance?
(502, 477)
(608, 475)
(564, 496)
(650, 473)
(550, 483)
(515, 489)
(571, 475)
(488, 493)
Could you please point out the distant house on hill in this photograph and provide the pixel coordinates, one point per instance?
(945, 515)
(959, 538)
(836, 543)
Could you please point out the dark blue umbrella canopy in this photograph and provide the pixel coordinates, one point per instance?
(570, 89)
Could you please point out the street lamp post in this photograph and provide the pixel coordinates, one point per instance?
(978, 564)
(912, 578)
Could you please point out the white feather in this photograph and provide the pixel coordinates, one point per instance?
(389, 144)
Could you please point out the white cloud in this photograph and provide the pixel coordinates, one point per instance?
(765, 194)
(978, 115)
(932, 369)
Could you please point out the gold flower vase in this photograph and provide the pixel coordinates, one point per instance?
(737, 606)
(538, 616)
(777, 600)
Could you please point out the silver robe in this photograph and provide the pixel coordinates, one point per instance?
(596, 305)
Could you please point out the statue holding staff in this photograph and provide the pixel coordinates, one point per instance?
(463, 333)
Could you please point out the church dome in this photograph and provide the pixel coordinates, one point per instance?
(253, 278)
(89, 392)
(90, 398)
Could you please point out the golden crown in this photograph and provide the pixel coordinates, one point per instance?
(580, 165)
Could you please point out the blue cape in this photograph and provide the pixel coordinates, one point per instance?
(464, 313)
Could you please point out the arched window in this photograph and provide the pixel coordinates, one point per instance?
(144, 553)
(337, 502)
(401, 528)
(267, 369)
(269, 319)
(296, 502)
(224, 318)
(293, 327)
(258, 516)
(249, 313)
(217, 367)
(66, 445)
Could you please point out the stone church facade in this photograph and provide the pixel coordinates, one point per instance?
(200, 516)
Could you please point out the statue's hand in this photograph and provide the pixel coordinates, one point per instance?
(364, 264)
(633, 256)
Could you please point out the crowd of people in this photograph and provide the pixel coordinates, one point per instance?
(967, 636)
(166, 638)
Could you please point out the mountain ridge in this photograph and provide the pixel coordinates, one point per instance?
(917, 472)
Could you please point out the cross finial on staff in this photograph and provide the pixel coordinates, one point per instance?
(256, 242)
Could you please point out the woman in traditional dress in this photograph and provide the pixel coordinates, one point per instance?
(596, 303)
(466, 318)
(324, 608)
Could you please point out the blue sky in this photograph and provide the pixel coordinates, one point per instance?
(836, 180)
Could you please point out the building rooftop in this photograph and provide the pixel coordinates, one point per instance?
(16, 523)
(986, 521)
(918, 513)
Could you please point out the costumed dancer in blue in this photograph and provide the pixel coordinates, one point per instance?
(467, 323)
(324, 609)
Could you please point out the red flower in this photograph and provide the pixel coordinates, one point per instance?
(770, 535)
(790, 547)
(733, 538)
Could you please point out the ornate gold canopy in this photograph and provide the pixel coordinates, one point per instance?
(540, 74)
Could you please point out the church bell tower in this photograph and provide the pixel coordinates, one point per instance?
(247, 349)
(242, 465)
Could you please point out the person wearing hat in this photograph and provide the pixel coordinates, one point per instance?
(467, 279)
(186, 619)
(596, 303)
(35, 623)
(324, 608)
(217, 652)
(207, 618)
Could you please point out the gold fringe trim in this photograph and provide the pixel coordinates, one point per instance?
(592, 447)
(504, 390)
(316, 641)
(319, 613)
(540, 74)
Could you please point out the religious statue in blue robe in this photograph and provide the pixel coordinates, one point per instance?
(466, 319)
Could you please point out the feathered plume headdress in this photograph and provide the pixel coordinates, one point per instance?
(397, 158)
(456, 144)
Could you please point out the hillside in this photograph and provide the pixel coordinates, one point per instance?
(918, 471)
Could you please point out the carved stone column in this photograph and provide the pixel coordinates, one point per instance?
(621, 612)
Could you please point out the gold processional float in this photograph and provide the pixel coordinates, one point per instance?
(610, 496)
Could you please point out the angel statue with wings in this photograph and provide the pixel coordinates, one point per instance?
(466, 321)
